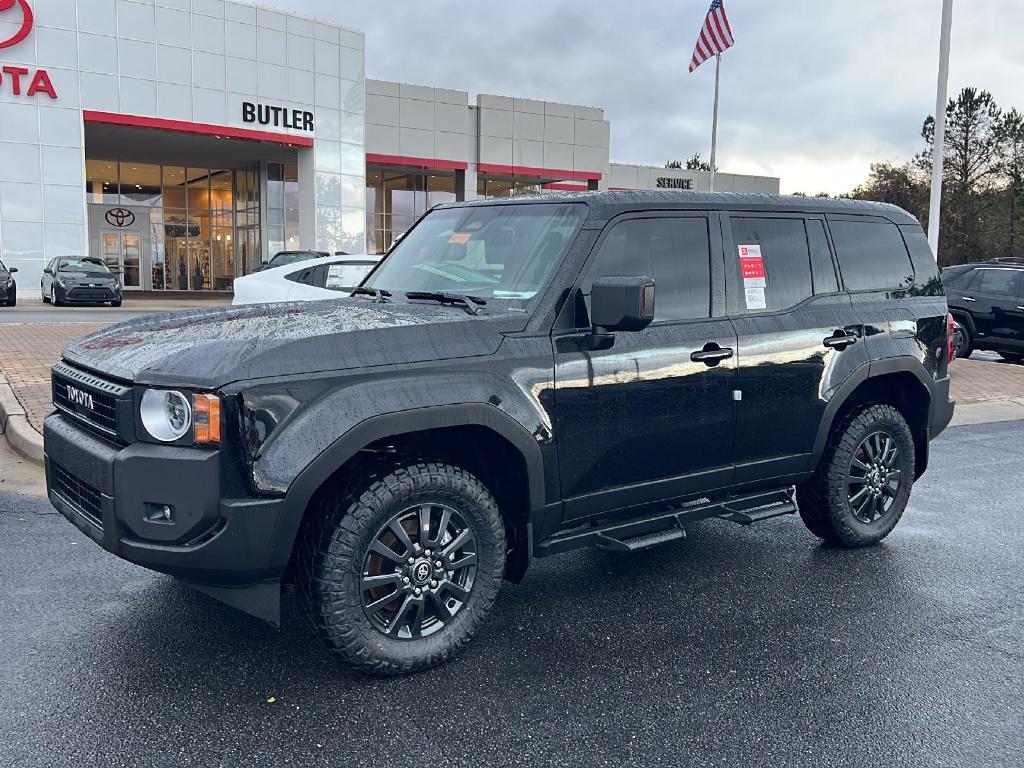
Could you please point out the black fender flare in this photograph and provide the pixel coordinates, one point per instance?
(872, 369)
(393, 424)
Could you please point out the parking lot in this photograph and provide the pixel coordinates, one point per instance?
(736, 646)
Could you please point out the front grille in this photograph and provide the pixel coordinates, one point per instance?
(78, 493)
(87, 397)
(90, 294)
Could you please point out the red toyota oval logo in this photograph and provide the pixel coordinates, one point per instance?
(26, 21)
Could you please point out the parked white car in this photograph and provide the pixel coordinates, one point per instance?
(309, 280)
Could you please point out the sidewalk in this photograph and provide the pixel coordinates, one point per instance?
(984, 390)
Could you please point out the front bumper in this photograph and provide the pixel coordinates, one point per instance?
(117, 495)
(85, 294)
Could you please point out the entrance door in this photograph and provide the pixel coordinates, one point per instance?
(122, 252)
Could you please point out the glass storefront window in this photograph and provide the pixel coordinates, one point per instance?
(491, 187)
(395, 200)
(202, 227)
(101, 182)
(140, 184)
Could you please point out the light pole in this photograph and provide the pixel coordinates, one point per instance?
(939, 141)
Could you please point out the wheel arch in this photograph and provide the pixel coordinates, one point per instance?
(899, 382)
(479, 436)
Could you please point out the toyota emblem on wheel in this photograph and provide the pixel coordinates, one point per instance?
(26, 21)
(118, 217)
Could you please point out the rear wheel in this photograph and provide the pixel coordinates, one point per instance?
(963, 342)
(1011, 357)
(862, 485)
(398, 573)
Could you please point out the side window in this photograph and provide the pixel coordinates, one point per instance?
(872, 255)
(786, 262)
(304, 276)
(675, 252)
(997, 281)
(824, 271)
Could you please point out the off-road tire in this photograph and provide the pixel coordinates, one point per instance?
(823, 500)
(334, 547)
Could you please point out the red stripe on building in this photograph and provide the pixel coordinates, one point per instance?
(560, 187)
(205, 129)
(419, 162)
(551, 173)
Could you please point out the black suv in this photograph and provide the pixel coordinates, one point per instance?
(8, 288)
(987, 301)
(515, 379)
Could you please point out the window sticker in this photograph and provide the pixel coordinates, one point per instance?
(754, 280)
(459, 237)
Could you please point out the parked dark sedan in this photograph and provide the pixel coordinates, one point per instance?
(987, 301)
(8, 288)
(79, 279)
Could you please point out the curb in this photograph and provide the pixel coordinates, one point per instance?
(14, 426)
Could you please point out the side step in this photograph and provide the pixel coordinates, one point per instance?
(640, 542)
(667, 525)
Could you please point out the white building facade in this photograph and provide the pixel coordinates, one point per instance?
(187, 141)
(181, 140)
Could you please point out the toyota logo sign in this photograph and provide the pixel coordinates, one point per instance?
(26, 21)
(118, 217)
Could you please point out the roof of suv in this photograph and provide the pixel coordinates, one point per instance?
(607, 204)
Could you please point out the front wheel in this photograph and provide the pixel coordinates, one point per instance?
(398, 573)
(1011, 357)
(53, 297)
(115, 303)
(862, 485)
(12, 300)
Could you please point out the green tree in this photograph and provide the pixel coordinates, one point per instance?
(1013, 175)
(695, 163)
(902, 185)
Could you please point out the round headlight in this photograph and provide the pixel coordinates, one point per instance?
(166, 414)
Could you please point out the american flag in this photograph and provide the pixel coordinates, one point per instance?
(715, 36)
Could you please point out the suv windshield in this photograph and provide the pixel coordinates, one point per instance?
(81, 265)
(492, 251)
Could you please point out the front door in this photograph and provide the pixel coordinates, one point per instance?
(121, 252)
(996, 298)
(643, 420)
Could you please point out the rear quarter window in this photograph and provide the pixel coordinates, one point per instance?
(872, 255)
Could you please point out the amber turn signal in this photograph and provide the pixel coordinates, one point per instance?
(206, 415)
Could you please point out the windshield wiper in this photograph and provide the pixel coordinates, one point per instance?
(379, 294)
(471, 304)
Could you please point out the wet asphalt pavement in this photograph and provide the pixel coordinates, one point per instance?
(738, 646)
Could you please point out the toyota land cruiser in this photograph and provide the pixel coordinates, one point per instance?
(515, 379)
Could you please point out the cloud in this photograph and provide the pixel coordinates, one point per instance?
(812, 92)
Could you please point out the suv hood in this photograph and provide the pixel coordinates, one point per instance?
(209, 348)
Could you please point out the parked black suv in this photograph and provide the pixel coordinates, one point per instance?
(987, 301)
(8, 288)
(515, 379)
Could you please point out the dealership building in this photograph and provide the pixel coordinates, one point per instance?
(186, 141)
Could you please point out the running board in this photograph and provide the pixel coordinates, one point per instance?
(667, 525)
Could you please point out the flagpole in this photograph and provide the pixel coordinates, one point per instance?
(939, 140)
(714, 122)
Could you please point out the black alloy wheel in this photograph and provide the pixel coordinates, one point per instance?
(419, 571)
(873, 480)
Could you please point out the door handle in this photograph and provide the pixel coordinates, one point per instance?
(711, 354)
(968, 298)
(839, 340)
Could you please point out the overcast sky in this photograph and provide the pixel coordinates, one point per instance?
(812, 92)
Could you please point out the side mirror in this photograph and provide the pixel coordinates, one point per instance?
(12, 270)
(619, 304)
(47, 271)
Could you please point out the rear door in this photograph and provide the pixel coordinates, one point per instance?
(995, 299)
(799, 338)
